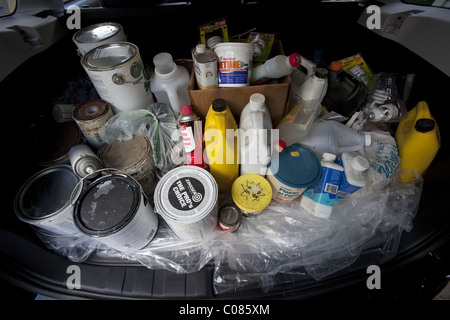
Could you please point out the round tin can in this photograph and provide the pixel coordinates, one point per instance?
(251, 193)
(44, 200)
(84, 161)
(119, 76)
(114, 210)
(91, 116)
(229, 218)
(132, 157)
(292, 172)
(186, 198)
(98, 34)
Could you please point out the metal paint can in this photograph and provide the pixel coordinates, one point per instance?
(229, 218)
(114, 210)
(91, 117)
(98, 34)
(186, 198)
(84, 161)
(44, 200)
(119, 76)
(134, 158)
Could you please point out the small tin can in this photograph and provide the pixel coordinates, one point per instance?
(251, 193)
(229, 218)
(91, 116)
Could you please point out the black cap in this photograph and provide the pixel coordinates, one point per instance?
(424, 125)
(219, 105)
(321, 73)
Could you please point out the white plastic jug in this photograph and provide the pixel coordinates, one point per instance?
(255, 137)
(314, 87)
(274, 68)
(334, 137)
(169, 83)
(354, 179)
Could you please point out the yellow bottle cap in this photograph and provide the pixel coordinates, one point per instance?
(252, 193)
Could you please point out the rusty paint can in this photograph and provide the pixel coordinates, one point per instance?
(98, 34)
(134, 158)
(119, 76)
(91, 116)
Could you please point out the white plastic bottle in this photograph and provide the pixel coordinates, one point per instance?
(334, 137)
(205, 67)
(169, 83)
(319, 200)
(255, 136)
(314, 88)
(353, 179)
(274, 68)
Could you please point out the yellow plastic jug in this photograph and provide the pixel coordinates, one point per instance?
(418, 140)
(222, 144)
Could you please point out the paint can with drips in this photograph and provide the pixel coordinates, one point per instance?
(186, 198)
(84, 161)
(134, 158)
(114, 210)
(91, 117)
(44, 200)
(98, 34)
(119, 76)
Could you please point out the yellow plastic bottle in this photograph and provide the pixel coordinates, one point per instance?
(222, 144)
(418, 140)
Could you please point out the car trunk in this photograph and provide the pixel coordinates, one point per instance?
(31, 91)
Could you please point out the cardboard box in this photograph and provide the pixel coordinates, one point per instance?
(237, 98)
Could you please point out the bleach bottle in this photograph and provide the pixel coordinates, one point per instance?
(169, 83)
(353, 179)
(274, 68)
(255, 136)
(319, 199)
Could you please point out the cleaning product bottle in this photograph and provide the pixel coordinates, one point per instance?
(255, 136)
(222, 144)
(334, 137)
(345, 93)
(274, 68)
(353, 179)
(314, 87)
(320, 198)
(205, 67)
(170, 82)
(418, 140)
(192, 133)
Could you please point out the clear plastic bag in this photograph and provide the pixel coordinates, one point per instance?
(158, 124)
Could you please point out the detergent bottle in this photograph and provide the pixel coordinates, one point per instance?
(418, 141)
(222, 144)
(274, 68)
(255, 136)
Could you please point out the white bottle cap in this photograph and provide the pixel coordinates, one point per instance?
(200, 48)
(328, 156)
(257, 101)
(164, 64)
(367, 139)
(359, 163)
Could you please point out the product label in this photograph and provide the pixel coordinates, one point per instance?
(188, 138)
(186, 194)
(324, 192)
(233, 71)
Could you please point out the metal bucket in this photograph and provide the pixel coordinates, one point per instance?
(91, 116)
(119, 76)
(44, 200)
(98, 34)
(186, 197)
(134, 158)
(114, 210)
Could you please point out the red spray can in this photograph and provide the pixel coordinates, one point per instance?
(192, 132)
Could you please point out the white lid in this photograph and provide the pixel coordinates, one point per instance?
(163, 63)
(367, 139)
(328, 156)
(359, 163)
(200, 48)
(257, 101)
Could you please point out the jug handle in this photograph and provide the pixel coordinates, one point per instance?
(308, 65)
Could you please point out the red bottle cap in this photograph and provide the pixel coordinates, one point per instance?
(185, 110)
(336, 65)
(279, 146)
(295, 59)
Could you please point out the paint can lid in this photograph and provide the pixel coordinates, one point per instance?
(97, 32)
(107, 205)
(186, 194)
(46, 193)
(91, 109)
(109, 56)
(296, 167)
(251, 192)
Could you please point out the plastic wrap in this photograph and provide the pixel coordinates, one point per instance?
(158, 124)
(281, 243)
